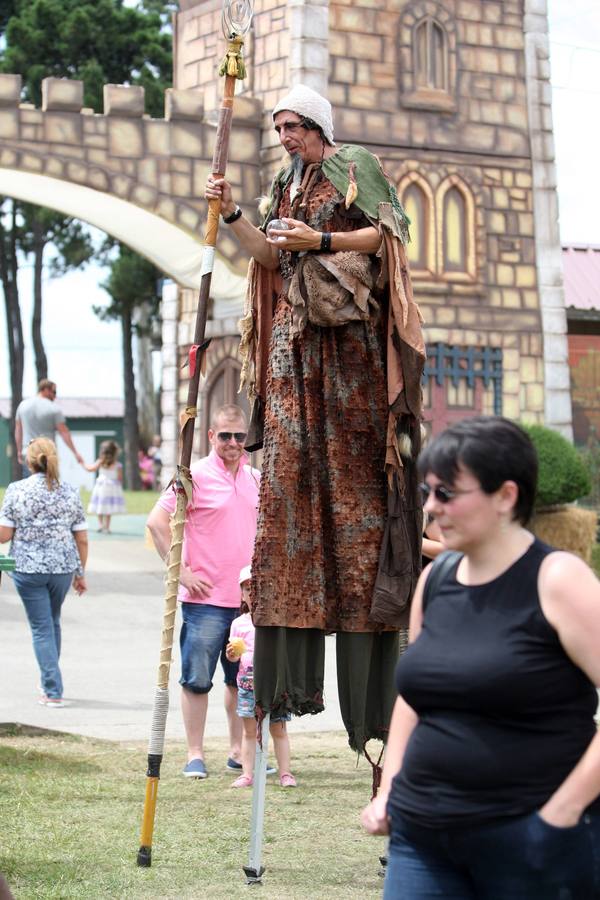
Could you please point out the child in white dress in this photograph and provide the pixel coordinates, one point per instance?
(107, 497)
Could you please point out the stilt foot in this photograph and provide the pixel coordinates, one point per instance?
(253, 876)
(144, 857)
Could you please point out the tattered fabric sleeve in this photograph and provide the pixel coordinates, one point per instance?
(406, 347)
(255, 327)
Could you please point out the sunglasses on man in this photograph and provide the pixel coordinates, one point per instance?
(238, 436)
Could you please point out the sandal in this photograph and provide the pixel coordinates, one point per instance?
(242, 781)
(287, 780)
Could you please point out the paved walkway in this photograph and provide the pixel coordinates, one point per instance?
(111, 639)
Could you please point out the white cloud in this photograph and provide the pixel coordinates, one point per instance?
(84, 353)
(575, 61)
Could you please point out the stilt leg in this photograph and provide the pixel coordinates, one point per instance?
(254, 870)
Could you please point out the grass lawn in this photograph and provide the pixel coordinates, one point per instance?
(72, 808)
(136, 502)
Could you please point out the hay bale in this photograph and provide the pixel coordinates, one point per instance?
(567, 528)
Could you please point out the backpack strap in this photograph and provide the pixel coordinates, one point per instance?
(440, 569)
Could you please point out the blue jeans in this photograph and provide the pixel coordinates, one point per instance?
(203, 638)
(513, 859)
(43, 597)
(246, 706)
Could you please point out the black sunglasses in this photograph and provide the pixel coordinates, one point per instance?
(239, 436)
(441, 493)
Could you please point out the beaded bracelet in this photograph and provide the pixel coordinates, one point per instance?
(235, 215)
(326, 242)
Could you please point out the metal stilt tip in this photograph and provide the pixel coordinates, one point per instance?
(253, 876)
(144, 857)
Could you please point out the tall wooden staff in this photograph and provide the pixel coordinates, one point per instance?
(236, 19)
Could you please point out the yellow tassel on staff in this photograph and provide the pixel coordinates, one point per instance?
(233, 62)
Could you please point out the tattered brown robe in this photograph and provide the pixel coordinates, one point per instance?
(334, 360)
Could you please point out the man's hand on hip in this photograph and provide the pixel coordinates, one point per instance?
(196, 586)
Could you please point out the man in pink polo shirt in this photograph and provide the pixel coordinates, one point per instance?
(218, 542)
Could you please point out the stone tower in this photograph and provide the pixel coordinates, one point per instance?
(454, 97)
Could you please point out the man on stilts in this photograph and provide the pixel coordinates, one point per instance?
(333, 359)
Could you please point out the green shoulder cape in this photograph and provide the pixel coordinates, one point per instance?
(373, 186)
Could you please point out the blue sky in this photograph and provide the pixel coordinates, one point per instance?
(84, 353)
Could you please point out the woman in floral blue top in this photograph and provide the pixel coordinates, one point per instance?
(44, 519)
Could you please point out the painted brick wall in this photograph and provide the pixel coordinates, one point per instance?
(479, 131)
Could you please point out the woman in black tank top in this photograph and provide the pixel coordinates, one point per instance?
(492, 771)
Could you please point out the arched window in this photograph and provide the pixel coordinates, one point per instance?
(417, 211)
(223, 388)
(417, 199)
(431, 56)
(455, 231)
(427, 56)
(455, 211)
(442, 244)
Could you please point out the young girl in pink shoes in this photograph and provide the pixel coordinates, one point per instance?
(241, 646)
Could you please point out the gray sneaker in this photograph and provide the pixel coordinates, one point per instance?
(195, 769)
(234, 766)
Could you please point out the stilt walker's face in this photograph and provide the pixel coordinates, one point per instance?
(297, 140)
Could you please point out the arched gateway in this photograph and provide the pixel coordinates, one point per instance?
(137, 178)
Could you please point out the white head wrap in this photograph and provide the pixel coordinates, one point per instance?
(305, 102)
(245, 574)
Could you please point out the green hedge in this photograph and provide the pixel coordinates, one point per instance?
(563, 476)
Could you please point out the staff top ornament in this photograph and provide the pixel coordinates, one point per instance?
(236, 18)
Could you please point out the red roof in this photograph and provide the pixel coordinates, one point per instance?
(581, 270)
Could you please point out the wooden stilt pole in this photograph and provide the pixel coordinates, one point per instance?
(237, 17)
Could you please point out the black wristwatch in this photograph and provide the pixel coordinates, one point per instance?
(235, 215)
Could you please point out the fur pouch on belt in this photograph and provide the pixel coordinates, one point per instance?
(331, 289)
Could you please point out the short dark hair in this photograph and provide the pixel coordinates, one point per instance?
(494, 449)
